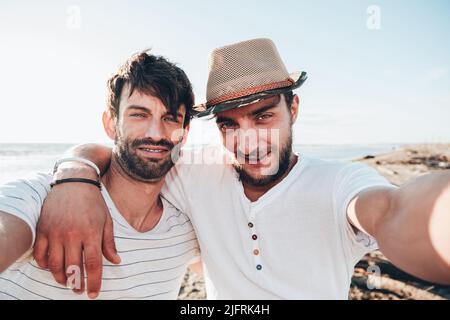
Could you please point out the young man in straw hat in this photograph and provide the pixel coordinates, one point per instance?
(271, 223)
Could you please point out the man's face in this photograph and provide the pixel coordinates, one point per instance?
(145, 135)
(260, 137)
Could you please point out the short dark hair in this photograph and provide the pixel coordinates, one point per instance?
(289, 97)
(156, 76)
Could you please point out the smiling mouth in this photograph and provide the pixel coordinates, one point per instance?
(155, 151)
(152, 150)
(256, 160)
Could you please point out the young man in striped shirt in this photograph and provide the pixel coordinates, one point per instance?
(149, 108)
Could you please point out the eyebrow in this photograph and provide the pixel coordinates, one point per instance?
(138, 107)
(178, 114)
(272, 105)
(221, 119)
(262, 109)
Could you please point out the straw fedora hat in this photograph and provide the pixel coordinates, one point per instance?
(244, 73)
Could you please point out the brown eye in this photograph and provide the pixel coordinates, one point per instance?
(227, 126)
(137, 115)
(171, 119)
(264, 116)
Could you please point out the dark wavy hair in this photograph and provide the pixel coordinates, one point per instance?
(156, 76)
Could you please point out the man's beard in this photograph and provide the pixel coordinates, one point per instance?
(283, 165)
(148, 170)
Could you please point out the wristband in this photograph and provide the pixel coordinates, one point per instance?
(82, 180)
(77, 159)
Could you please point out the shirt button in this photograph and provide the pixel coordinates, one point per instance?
(256, 252)
(259, 267)
(254, 237)
(250, 225)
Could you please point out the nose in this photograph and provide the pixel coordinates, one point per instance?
(155, 130)
(247, 141)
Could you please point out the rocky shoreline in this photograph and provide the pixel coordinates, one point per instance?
(398, 167)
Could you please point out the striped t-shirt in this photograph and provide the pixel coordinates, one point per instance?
(153, 263)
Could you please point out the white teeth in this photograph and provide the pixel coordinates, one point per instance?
(153, 150)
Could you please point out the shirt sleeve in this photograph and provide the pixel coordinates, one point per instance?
(24, 198)
(352, 179)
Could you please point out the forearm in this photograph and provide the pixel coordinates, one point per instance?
(415, 232)
(15, 239)
(99, 154)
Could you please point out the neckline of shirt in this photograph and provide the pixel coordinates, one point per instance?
(276, 190)
(115, 213)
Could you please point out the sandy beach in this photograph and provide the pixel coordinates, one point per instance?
(398, 167)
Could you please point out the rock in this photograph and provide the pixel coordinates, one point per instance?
(444, 165)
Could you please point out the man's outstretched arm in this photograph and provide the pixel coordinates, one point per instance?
(15, 239)
(77, 225)
(411, 224)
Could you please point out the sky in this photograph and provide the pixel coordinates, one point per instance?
(379, 71)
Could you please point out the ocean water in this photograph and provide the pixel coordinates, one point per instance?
(19, 160)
